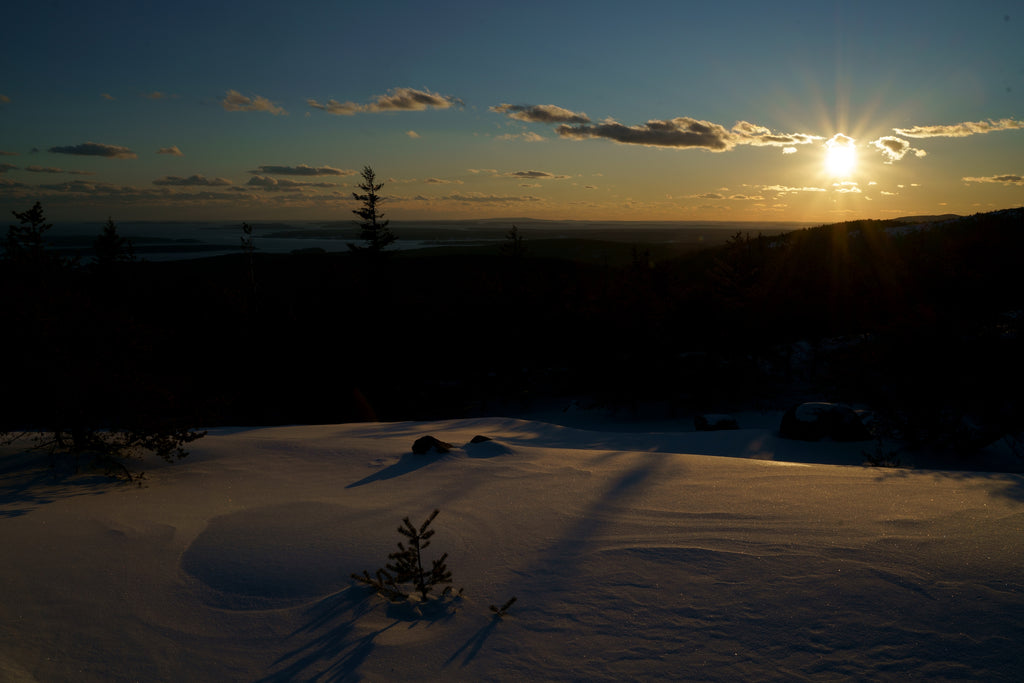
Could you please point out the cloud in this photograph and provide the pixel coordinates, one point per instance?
(709, 195)
(960, 130)
(747, 133)
(8, 154)
(336, 108)
(157, 95)
(4, 99)
(541, 113)
(840, 140)
(684, 132)
(413, 134)
(269, 184)
(846, 187)
(681, 133)
(4, 168)
(535, 175)
(396, 99)
(173, 151)
(441, 181)
(192, 181)
(51, 169)
(301, 170)
(8, 184)
(96, 149)
(236, 101)
(107, 96)
(1008, 179)
(529, 136)
(786, 189)
(894, 148)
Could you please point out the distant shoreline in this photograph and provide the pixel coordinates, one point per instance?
(174, 240)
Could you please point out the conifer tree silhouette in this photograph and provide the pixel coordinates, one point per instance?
(373, 228)
(406, 567)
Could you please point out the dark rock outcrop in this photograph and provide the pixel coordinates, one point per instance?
(816, 421)
(710, 422)
(425, 444)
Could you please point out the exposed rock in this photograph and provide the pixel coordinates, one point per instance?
(479, 438)
(713, 422)
(424, 444)
(816, 421)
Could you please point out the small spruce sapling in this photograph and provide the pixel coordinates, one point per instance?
(405, 574)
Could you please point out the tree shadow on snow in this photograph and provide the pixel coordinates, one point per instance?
(472, 647)
(332, 654)
(28, 480)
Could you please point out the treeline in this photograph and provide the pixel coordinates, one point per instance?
(922, 323)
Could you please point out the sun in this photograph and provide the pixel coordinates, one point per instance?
(840, 156)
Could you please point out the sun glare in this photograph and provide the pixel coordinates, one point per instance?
(840, 155)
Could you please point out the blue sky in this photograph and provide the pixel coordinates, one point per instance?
(591, 110)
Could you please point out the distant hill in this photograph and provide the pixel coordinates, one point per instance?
(928, 219)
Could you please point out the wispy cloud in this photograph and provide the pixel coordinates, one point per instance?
(396, 99)
(747, 133)
(788, 189)
(51, 169)
(541, 113)
(960, 130)
(528, 136)
(269, 184)
(8, 154)
(157, 95)
(301, 170)
(535, 175)
(173, 151)
(847, 187)
(236, 101)
(4, 99)
(192, 181)
(1008, 179)
(413, 134)
(442, 181)
(95, 149)
(894, 148)
(107, 96)
(4, 168)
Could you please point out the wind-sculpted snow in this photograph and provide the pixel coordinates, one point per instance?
(282, 553)
(633, 555)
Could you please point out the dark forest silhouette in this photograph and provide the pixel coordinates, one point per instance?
(922, 325)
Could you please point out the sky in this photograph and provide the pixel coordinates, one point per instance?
(815, 112)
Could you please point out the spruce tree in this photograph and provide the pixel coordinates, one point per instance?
(373, 228)
(111, 247)
(25, 245)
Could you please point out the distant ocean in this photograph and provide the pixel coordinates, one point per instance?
(166, 241)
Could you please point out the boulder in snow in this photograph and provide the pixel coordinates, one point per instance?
(816, 421)
(425, 444)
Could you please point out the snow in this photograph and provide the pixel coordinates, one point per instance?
(650, 555)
